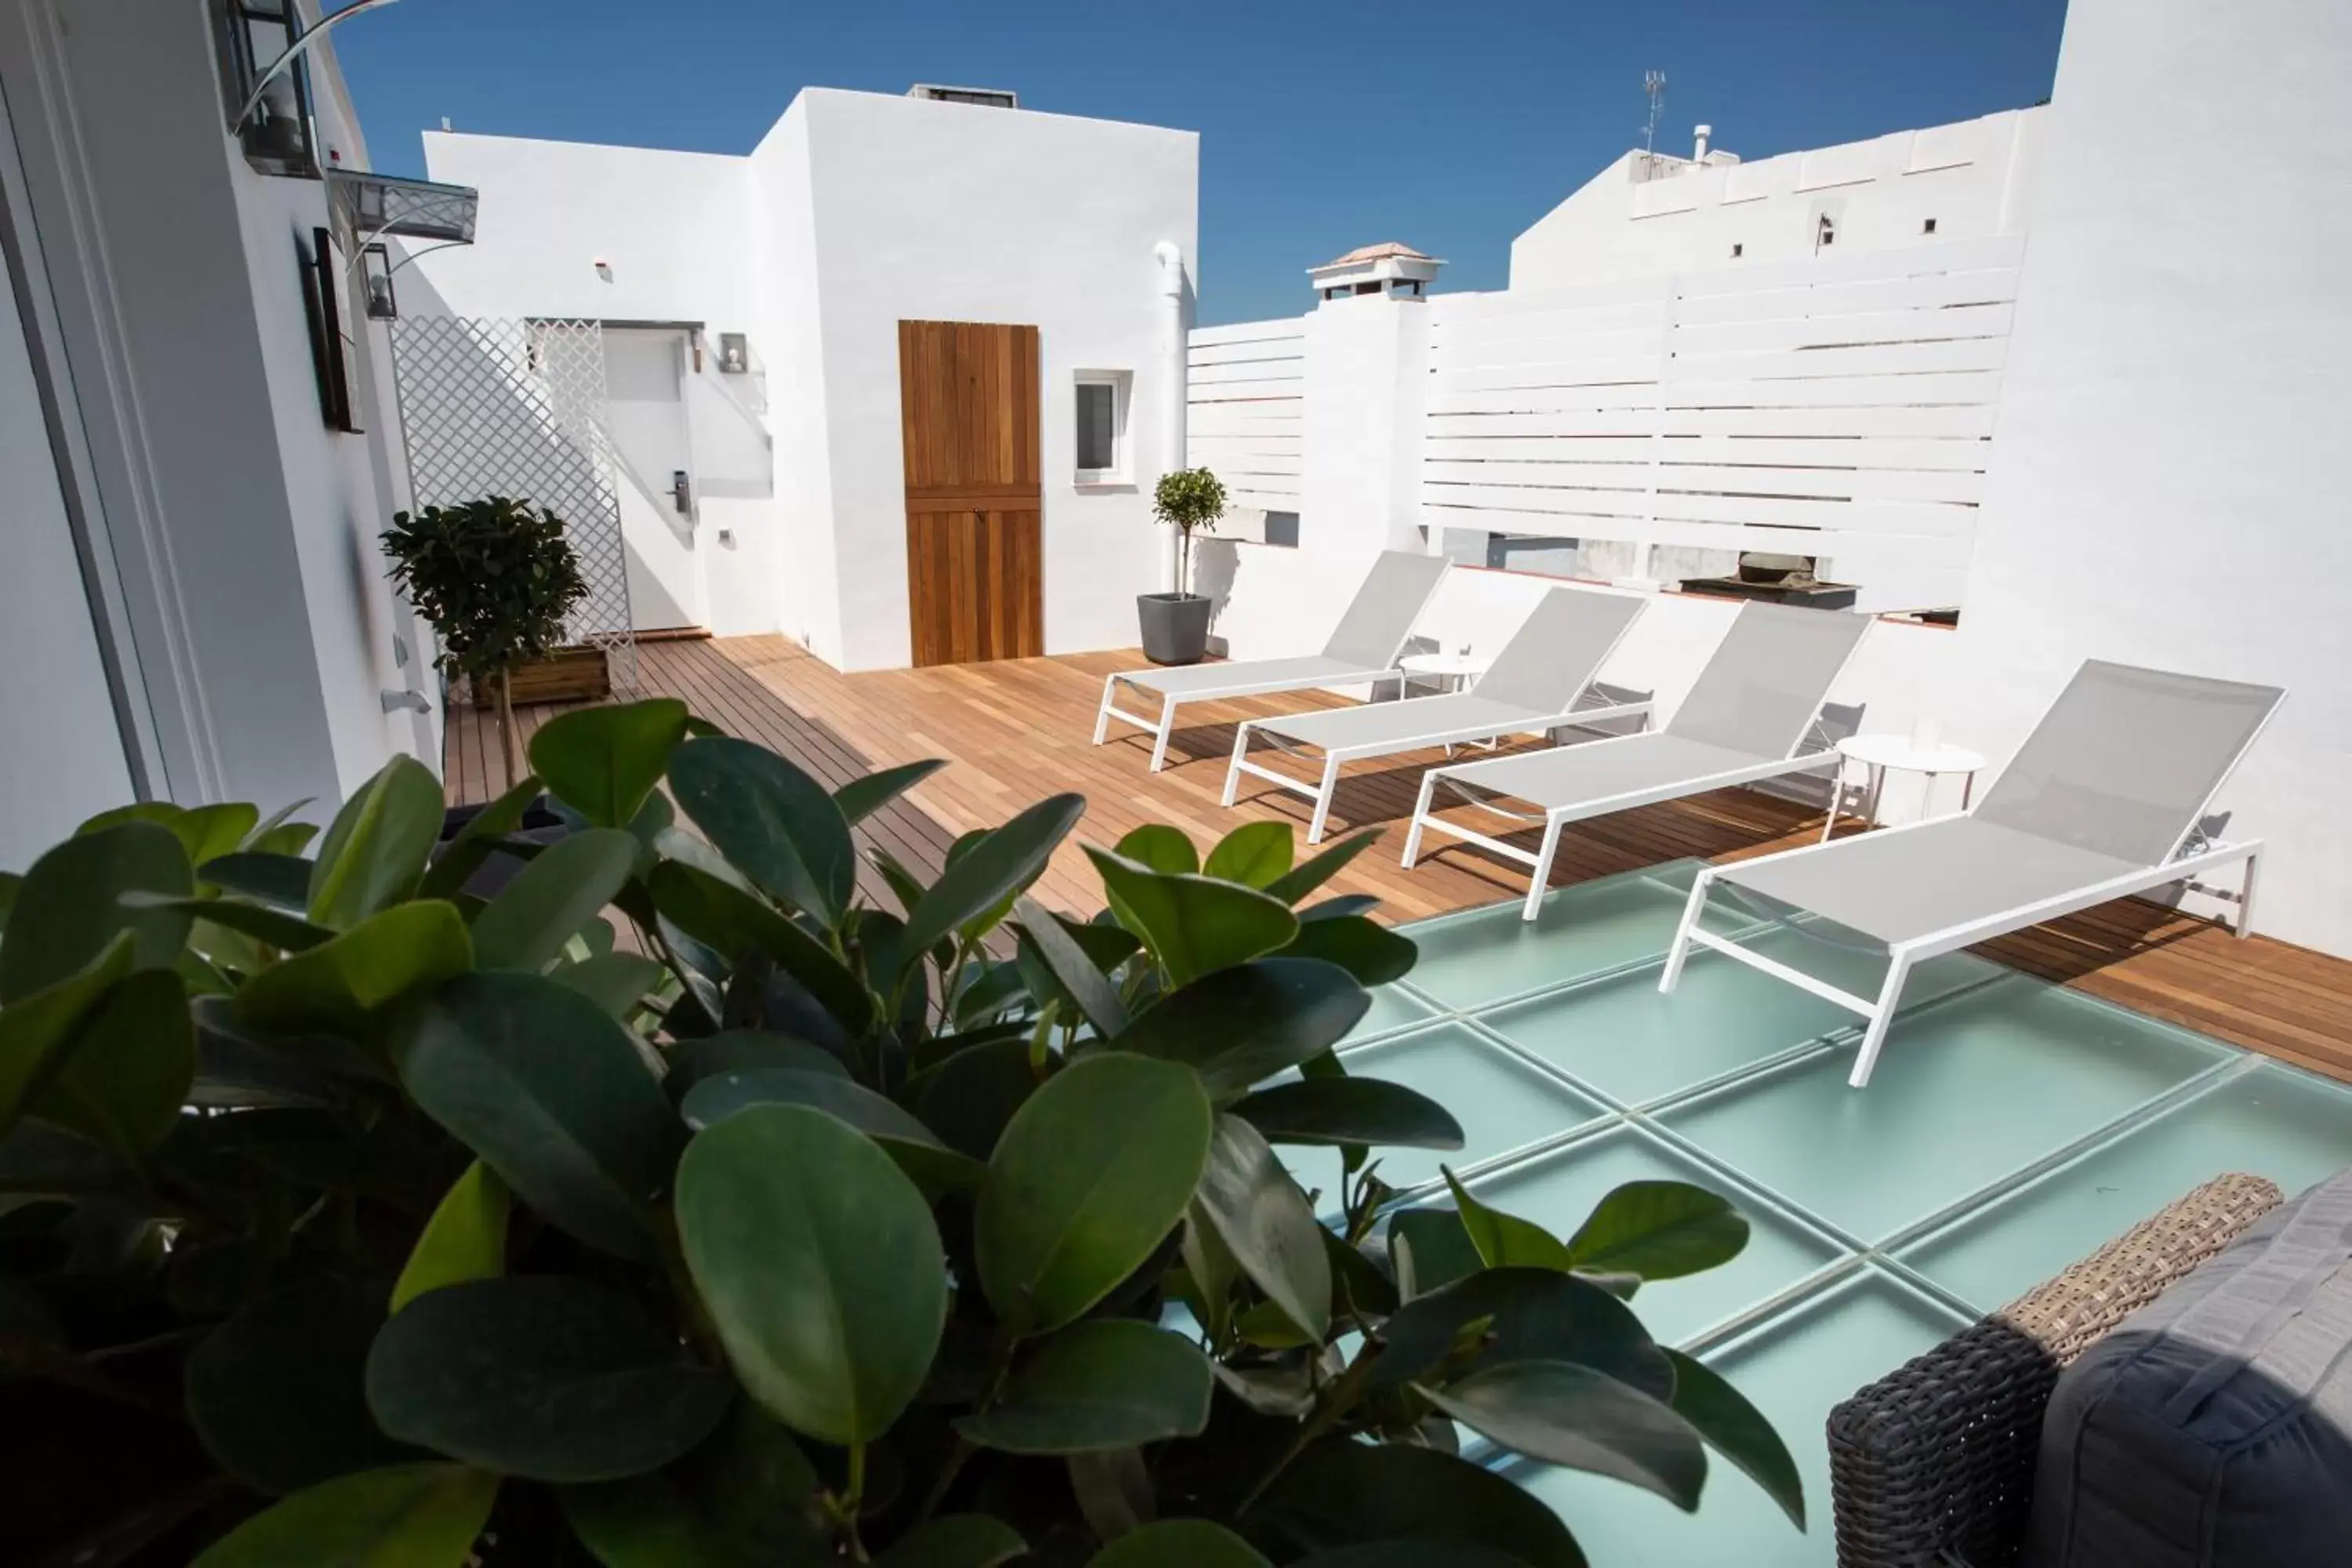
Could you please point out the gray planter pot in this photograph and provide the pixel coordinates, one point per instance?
(1175, 627)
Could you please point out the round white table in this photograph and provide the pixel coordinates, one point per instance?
(1899, 753)
(1456, 671)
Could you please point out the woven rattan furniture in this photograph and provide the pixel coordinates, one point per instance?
(1934, 1463)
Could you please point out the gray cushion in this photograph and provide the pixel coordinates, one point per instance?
(2214, 1426)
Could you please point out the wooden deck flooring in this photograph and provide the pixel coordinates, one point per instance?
(1018, 729)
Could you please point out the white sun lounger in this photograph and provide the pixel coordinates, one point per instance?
(2105, 799)
(1534, 685)
(1364, 648)
(1746, 720)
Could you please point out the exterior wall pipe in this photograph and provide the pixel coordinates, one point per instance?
(1172, 377)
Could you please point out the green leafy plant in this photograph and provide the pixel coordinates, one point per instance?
(497, 579)
(1188, 501)
(717, 1194)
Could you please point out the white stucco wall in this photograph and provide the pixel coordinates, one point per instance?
(61, 757)
(1972, 177)
(953, 212)
(2169, 483)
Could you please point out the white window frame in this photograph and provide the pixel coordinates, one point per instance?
(1122, 471)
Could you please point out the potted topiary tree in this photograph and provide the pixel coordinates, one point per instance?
(1176, 626)
(497, 579)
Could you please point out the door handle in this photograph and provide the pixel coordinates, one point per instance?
(681, 491)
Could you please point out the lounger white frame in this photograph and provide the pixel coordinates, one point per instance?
(2184, 865)
(1244, 686)
(1320, 792)
(1557, 818)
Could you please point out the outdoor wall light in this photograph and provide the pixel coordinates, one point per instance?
(734, 353)
(266, 79)
(375, 282)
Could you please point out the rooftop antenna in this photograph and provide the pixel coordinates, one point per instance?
(1653, 83)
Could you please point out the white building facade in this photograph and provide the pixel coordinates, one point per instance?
(857, 212)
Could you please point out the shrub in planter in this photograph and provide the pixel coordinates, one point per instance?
(497, 579)
(1176, 626)
(686, 1203)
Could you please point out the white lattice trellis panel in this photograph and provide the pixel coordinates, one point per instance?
(503, 408)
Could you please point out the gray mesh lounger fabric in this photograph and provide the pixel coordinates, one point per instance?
(1394, 595)
(1278, 674)
(1539, 674)
(1600, 771)
(1767, 678)
(1894, 887)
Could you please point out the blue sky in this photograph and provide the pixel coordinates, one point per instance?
(1450, 126)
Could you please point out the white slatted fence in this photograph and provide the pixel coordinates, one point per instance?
(1243, 403)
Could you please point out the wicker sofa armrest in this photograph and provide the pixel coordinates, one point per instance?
(1934, 1462)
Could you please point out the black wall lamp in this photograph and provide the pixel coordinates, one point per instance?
(267, 82)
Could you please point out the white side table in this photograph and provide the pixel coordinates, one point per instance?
(1879, 753)
(1455, 671)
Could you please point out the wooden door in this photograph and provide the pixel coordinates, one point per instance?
(967, 417)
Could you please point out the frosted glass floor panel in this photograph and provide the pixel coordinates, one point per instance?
(1394, 1008)
(1624, 1037)
(2271, 1121)
(1503, 1103)
(1557, 1190)
(1491, 955)
(1965, 1094)
(1794, 1370)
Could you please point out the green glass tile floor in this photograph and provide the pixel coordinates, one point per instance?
(2011, 1128)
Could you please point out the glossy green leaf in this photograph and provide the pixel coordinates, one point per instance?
(743, 1050)
(457, 861)
(1072, 969)
(1526, 1315)
(616, 982)
(1340, 908)
(603, 762)
(957, 1540)
(203, 831)
(270, 926)
(1092, 1171)
(553, 1096)
(1430, 1249)
(68, 908)
(1736, 1430)
(334, 987)
(971, 1097)
(280, 881)
(1658, 1230)
(1341, 1493)
(38, 1031)
(1374, 954)
(992, 871)
(277, 1392)
(123, 1077)
(1255, 853)
(545, 1376)
(733, 921)
(563, 887)
(1109, 1384)
(1304, 878)
(1341, 1110)
(1179, 1543)
(1358, 1285)
(375, 852)
(1564, 1413)
(917, 1150)
(1506, 1240)
(403, 1516)
(821, 1265)
(465, 1239)
(1194, 925)
(1267, 1225)
(862, 797)
(1243, 1024)
(773, 823)
(645, 1521)
(1159, 848)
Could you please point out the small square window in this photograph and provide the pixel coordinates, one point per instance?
(1738, 251)
(1929, 226)
(1101, 445)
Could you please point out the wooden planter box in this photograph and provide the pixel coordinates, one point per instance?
(567, 675)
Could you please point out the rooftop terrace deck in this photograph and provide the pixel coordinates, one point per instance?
(1018, 729)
